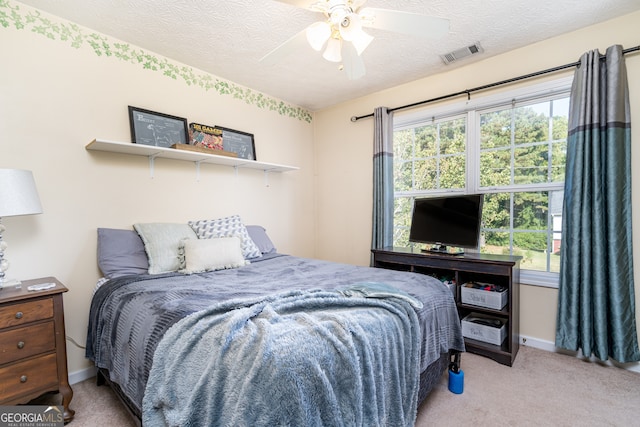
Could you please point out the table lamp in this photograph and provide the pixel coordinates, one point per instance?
(18, 196)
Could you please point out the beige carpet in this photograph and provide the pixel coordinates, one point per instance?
(541, 389)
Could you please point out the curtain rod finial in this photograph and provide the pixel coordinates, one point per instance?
(354, 118)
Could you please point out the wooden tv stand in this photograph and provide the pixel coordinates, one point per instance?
(497, 269)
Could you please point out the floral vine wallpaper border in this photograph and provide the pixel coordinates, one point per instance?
(11, 14)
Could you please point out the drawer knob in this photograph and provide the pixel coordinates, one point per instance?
(19, 315)
(23, 379)
(20, 345)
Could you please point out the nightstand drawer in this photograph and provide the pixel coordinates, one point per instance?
(22, 378)
(19, 314)
(26, 341)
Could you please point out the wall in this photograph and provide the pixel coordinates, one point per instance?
(344, 163)
(55, 98)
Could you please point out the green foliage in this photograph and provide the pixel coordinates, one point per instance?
(496, 211)
(515, 148)
(530, 210)
(532, 241)
(430, 157)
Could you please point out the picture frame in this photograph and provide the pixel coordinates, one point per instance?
(157, 129)
(241, 143)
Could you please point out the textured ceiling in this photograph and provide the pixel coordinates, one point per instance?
(228, 38)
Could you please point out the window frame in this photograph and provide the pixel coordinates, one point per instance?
(522, 95)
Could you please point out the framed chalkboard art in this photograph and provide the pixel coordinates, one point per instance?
(157, 129)
(238, 142)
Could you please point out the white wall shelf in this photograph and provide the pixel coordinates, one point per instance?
(153, 153)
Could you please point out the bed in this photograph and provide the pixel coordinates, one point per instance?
(260, 337)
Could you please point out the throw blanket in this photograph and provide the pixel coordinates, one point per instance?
(377, 290)
(299, 358)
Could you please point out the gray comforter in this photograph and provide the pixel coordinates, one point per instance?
(130, 316)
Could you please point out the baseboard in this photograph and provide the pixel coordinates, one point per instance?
(550, 346)
(79, 376)
(537, 343)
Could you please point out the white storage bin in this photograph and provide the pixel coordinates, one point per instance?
(490, 299)
(484, 328)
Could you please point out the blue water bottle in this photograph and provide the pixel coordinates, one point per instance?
(456, 376)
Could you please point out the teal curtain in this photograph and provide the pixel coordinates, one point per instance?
(596, 305)
(382, 233)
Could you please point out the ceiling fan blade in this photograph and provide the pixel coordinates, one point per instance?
(397, 21)
(356, 4)
(305, 4)
(352, 62)
(295, 43)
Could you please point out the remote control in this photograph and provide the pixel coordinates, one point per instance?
(41, 287)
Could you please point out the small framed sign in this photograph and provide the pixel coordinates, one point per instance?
(157, 129)
(241, 143)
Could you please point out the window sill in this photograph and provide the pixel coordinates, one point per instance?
(539, 278)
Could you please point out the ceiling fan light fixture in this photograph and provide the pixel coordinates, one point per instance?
(350, 26)
(318, 34)
(332, 52)
(346, 20)
(361, 41)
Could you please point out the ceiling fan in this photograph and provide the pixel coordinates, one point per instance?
(341, 32)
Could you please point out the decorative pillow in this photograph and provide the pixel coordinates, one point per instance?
(161, 242)
(227, 227)
(212, 254)
(120, 253)
(259, 236)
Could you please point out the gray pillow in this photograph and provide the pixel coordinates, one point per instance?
(120, 253)
(259, 236)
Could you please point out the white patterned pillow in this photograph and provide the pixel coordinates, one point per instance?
(227, 227)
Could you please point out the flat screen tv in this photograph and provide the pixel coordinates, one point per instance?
(447, 221)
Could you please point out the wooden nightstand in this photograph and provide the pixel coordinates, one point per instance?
(33, 353)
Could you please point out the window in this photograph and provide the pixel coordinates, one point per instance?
(509, 149)
(426, 157)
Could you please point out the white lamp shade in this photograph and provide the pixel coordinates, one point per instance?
(18, 193)
(318, 34)
(332, 52)
(361, 41)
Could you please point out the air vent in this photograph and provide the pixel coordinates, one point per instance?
(456, 55)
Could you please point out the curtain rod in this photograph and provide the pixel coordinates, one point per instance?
(490, 85)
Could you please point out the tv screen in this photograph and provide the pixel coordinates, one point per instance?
(447, 221)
